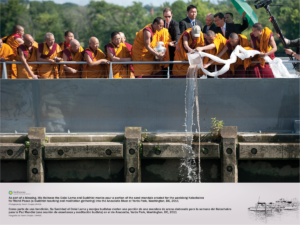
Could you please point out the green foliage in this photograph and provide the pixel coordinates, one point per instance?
(100, 18)
(157, 147)
(217, 125)
(144, 135)
(141, 148)
(27, 144)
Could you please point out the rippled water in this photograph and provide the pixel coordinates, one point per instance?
(275, 217)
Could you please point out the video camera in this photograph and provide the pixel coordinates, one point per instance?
(262, 3)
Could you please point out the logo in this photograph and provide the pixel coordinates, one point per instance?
(10, 192)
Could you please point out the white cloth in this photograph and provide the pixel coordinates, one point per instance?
(276, 65)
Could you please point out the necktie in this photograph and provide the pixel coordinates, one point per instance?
(167, 25)
(193, 23)
(223, 31)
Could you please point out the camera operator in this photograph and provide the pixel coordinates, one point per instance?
(293, 43)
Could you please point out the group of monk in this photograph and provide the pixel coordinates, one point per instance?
(23, 48)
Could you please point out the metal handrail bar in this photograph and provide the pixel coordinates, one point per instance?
(128, 62)
(4, 71)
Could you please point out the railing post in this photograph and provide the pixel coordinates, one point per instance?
(168, 72)
(110, 71)
(229, 170)
(132, 158)
(35, 163)
(4, 71)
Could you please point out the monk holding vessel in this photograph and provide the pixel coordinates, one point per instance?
(191, 39)
(143, 48)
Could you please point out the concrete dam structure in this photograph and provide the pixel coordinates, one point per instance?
(93, 130)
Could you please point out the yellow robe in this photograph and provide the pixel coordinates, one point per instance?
(7, 53)
(11, 41)
(99, 71)
(243, 41)
(263, 45)
(72, 57)
(119, 70)
(140, 53)
(181, 69)
(49, 71)
(22, 73)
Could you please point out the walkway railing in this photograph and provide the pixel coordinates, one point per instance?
(4, 70)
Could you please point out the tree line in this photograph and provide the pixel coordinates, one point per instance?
(100, 18)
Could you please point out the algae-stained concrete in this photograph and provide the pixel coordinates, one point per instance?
(168, 170)
(268, 171)
(91, 170)
(12, 151)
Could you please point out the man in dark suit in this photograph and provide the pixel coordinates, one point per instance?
(173, 28)
(224, 28)
(210, 25)
(190, 21)
(239, 27)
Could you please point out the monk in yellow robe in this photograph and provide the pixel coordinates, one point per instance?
(14, 40)
(95, 58)
(27, 52)
(116, 51)
(188, 42)
(214, 44)
(6, 54)
(49, 51)
(239, 68)
(143, 49)
(69, 36)
(72, 53)
(262, 39)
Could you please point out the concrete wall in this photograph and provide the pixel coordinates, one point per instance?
(103, 105)
(153, 170)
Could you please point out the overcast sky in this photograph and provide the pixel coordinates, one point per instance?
(120, 2)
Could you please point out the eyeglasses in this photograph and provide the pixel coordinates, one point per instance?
(167, 16)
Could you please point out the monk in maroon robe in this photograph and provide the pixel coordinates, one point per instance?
(129, 46)
(262, 39)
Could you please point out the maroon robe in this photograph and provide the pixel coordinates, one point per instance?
(258, 71)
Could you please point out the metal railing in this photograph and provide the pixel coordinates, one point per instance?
(4, 70)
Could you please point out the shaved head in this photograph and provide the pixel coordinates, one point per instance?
(93, 40)
(94, 43)
(122, 34)
(210, 15)
(209, 19)
(210, 36)
(74, 42)
(28, 37)
(234, 36)
(210, 33)
(258, 26)
(74, 45)
(28, 40)
(48, 35)
(18, 28)
(123, 38)
(234, 39)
